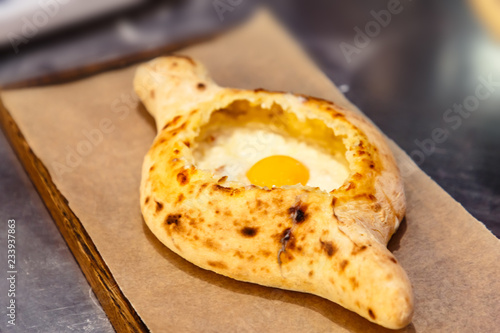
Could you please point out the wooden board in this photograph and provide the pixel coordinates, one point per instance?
(115, 304)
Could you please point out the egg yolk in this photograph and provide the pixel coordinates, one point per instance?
(278, 170)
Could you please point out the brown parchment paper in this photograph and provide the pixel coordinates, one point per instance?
(451, 258)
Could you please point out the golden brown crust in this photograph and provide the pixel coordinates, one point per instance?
(297, 238)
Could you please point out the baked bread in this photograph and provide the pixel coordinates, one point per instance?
(323, 241)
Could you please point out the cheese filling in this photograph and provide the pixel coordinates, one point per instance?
(251, 147)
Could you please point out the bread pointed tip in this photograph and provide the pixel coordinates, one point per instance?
(170, 85)
(397, 312)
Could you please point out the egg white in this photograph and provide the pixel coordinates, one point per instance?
(232, 151)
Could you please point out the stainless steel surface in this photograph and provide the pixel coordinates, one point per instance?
(150, 27)
(51, 292)
(19, 19)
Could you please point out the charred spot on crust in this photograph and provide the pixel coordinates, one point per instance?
(180, 198)
(393, 260)
(202, 187)
(183, 126)
(291, 243)
(298, 213)
(249, 231)
(231, 191)
(285, 237)
(183, 177)
(187, 144)
(372, 314)
(335, 113)
(300, 216)
(357, 176)
(358, 249)
(173, 219)
(152, 168)
(318, 100)
(222, 179)
(265, 253)
(343, 265)
(178, 247)
(159, 142)
(217, 264)
(147, 200)
(192, 222)
(201, 86)
(210, 244)
(329, 248)
(369, 197)
(311, 273)
(159, 206)
(334, 201)
(372, 165)
(172, 122)
(354, 283)
(350, 186)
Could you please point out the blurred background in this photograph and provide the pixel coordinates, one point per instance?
(426, 72)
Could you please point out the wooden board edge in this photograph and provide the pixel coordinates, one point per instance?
(84, 71)
(122, 315)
